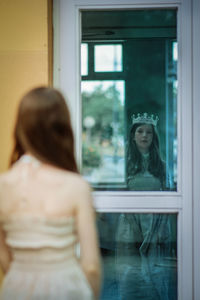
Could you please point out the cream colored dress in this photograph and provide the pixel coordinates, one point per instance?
(44, 266)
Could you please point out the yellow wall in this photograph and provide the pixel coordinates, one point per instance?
(23, 60)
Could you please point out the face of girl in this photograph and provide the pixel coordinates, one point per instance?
(143, 137)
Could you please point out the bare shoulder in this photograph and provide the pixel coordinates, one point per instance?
(5, 177)
(78, 182)
(79, 187)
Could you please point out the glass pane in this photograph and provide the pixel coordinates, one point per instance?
(108, 58)
(84, 59)
(139, 255)
(103, 132)
(132, 142)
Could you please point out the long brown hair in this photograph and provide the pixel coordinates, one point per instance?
(43, 127)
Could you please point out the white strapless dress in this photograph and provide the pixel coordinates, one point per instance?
(44, 261)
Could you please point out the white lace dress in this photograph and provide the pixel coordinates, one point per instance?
(44, 262)
(41, 236)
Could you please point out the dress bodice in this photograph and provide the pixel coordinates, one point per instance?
(144, 180)
(44, 264)
(40, 239)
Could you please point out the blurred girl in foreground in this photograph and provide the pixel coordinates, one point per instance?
(46, 208)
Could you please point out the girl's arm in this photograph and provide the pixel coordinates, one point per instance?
(5, 255)
(89, 256)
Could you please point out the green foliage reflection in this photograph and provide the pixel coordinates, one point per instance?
(106, 109)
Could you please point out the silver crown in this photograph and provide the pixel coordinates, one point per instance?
(145, 118)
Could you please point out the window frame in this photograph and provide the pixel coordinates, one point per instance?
(68, 34)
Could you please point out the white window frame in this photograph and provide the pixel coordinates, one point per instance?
(184, 202)
(196, 144)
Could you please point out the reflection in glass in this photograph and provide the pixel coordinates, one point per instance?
(139, 254)
(145, 169)
(84, 59)
(138, 48)
(175, 51)
(103, 131)
(108, 58)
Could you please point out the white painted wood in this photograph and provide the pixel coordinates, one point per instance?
(56, 45)
(136, 202)
(124, 3)
(67, 75)
(196, 145)
(185, 230)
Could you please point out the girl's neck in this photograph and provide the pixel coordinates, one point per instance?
(145, 155)
(144, 151)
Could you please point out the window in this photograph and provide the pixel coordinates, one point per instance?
(156, 80)
(132, 72)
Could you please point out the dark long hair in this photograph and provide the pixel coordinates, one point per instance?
(134, 157)
(43, 127)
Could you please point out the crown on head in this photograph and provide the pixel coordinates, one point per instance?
(145, 118)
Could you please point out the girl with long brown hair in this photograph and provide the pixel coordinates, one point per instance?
(46, 208)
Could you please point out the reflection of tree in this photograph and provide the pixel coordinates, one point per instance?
(106, 109)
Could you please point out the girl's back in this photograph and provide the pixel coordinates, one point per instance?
(39, 212)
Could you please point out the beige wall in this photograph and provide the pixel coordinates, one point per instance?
(23, 60)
